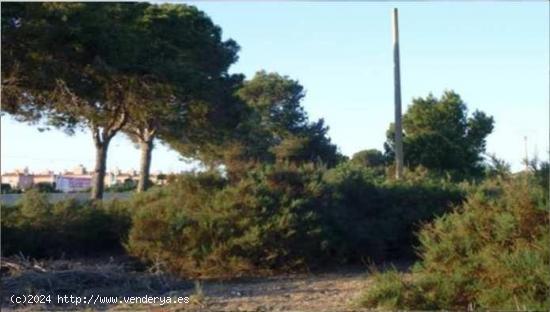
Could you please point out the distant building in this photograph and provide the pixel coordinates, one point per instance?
(118, 177)
(73, 181)
(77, 179)
(44, 177)
(20, 179)
(78, 170)
(68, 183)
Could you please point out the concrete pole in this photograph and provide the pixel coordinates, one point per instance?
(526, 155)
(397, 98)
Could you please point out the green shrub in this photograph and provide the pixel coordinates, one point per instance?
(200, 225)
(6, 188)
(38, 228)
(370, 217)
(46, 187)
(388, 290)
(492, 253)
(127, 186)
(280, 217)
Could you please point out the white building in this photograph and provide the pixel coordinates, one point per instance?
(20, 179)
(70, 183)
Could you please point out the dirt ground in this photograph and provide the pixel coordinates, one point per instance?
(332, 290)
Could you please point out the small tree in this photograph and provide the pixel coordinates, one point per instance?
(369, 158)
(277, 128)
(6, 188)
(496, 167)
(180, 103)
(270, 125)
(439, 135)
(45, 187)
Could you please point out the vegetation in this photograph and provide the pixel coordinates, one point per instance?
(282, 216)
(46, 187)
(265, 221)
(370, 158)
(439, 135)
(72, 78)
(276, 195)
(490, 253)
(187, 96)
(96, 65)
(7, 189)
(37, 228)
(273, 128)
(126, 186)
(370, 217)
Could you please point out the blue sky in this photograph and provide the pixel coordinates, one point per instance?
(494, 54)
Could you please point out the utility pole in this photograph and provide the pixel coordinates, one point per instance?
(397, 98)
(526, 161)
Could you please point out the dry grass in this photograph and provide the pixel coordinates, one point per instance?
(100, 277)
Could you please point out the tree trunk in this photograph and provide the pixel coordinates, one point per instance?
(146, 147)
(98, 178)
(102, 136)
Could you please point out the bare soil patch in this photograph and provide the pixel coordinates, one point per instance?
(332, 290)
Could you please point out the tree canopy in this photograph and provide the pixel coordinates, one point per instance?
(112, 67)
(439, 135)
(76, 64)
(275, 127)
(369, 158)
(186, 106)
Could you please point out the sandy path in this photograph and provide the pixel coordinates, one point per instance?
(311, 292)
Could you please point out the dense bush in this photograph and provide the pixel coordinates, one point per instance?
(370, 217)
(370, 158)
(200, 225)
(38, 228)
(127, 186)
(7, 189)
(281, 216)
(274, 217)
(492, 253)
(46, 187)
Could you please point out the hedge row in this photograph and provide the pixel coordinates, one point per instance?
(283, 217)
(276, 217)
